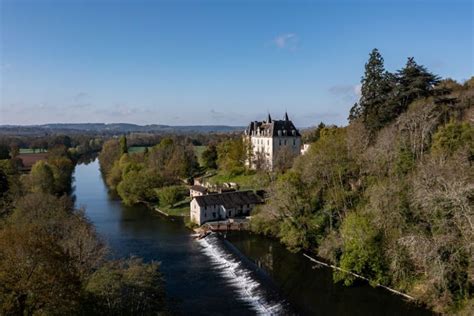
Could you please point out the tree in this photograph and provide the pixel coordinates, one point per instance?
(36, 275)
(375, 105)
(284, 159)
(354, 113)
(123, 145)
(108, 155)
(62, 140)
(4, 152)
(362, 250)
(71, 229)
(62, 168)
(209, 157)
(14, 151)
(138, 186)
(127, 287)
(171, 194)
(414, 81)
(41, 178)
(453, 136)
(231, 156)
(181, 164)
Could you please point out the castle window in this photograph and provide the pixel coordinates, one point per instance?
(294, 142)
(279, 142)
(285, 141)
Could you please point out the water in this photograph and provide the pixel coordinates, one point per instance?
(241, 275)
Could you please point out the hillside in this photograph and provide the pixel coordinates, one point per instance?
(112, 129)
(390, 196)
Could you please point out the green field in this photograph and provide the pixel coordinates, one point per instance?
(179, 209)
(31, 151)
(248, 181)
(136, 149)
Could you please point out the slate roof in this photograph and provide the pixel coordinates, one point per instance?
(228, 199)
(271, 127)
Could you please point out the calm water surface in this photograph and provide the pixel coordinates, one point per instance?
(244, 274)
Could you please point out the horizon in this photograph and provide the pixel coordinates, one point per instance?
(209, 63)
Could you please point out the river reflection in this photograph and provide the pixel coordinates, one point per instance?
(243, 275)
(194, 288)
(310, 289)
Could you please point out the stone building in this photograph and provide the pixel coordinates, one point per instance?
(197, 190)
(271, 141)
(221, 206)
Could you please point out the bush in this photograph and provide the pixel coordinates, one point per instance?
(171, 194)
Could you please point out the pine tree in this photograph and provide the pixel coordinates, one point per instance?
(377, 88)
(414, 81)
(123, 145)
(354, 112)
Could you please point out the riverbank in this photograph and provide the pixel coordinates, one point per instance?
(247, 269)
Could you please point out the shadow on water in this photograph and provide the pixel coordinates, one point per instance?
(310, 289)
(243, 275)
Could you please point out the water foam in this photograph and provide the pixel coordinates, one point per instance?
(240, 278)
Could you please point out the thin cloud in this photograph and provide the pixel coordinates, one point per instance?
(286, 41)
(357, 90)
(81, 96)
(347, 93)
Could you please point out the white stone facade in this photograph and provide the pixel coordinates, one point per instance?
(269, 139)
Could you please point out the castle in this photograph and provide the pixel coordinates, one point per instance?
(271, 141)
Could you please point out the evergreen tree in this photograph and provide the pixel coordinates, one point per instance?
(123, 145)
(354, 112)
(414, 81)
(377, 87)
(4, 152)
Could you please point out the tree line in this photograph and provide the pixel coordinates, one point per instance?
(390, 195)
(160, 171)
(52, 261)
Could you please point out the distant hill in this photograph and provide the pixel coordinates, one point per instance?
(114, 128)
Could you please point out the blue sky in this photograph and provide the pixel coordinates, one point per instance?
(214, 62)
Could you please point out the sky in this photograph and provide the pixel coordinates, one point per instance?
(214, 62)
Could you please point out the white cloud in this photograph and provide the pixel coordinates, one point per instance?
(347, 93)
(357, 90)
(287, 40)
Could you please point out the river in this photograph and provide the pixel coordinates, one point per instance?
(244, 274)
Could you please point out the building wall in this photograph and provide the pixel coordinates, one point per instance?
(201, 215)
(271, 146)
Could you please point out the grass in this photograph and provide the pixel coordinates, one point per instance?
(31, 151)
(246, 181)
(178, 209)
(136, 149)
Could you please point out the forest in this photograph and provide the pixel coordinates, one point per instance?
(390, 196)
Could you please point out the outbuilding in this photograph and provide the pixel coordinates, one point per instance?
(221, 206)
